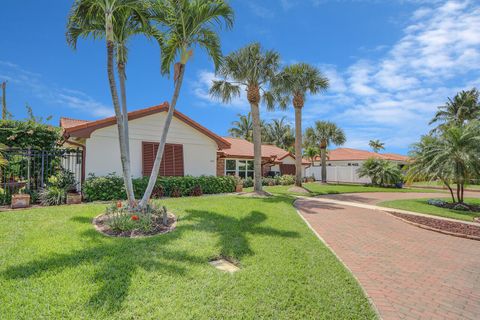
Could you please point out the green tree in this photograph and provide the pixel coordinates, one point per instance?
(381, 172)
(311, 152)
(323, 134)
(464, 107)
(279, 133)
(103, 19)
(453, 156)
(243, 127)
(293, 84)
(376, 145)
(184, 24)
(252, 69)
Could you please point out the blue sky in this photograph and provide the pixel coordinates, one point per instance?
(390, 63)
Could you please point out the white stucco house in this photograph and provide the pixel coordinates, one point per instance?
(191, 148)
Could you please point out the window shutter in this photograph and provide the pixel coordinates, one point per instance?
(172, 160)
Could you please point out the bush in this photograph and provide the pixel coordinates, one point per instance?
(52, 196)
(248, 182)
(286, 180)
(381, 172)
(25, 134)
(111, 187)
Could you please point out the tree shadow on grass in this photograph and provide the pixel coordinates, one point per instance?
(233, 231)
(115, 260)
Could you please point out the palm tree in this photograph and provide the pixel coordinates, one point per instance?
(184, 24)
(465, 106)
(376, 145)
(294, 83)
(311, 152)
(279, 133)
(324, 133)
(97, 19)
(452, 156)
(252, 69)
(243, 127)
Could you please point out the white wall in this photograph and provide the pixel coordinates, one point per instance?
(103, 152)
(337, 174)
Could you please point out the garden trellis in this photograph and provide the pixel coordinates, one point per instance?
(28, 170)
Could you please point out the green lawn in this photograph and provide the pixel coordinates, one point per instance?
(316, 188)
(421, 206)
(441, 185)
(54, 265)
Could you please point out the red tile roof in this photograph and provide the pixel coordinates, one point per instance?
(241, 148)
(69, 122)
(347, 154)
(83, 128)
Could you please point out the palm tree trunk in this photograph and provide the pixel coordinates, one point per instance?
(123, 94)
(163, 140)
(127, 177)
(458, 192)
(257, 147)
(323, 154)
(450, 189)
(298, 147)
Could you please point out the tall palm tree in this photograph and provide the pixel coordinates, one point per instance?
(376, 145)
(279, 133)
(253, 69)
(243, 127)
(184, 24)
(324, 133)
(294, 83)
(451, 156)
(465, 106)
(97, 19)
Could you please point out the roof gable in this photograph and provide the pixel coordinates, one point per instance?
(83, 128)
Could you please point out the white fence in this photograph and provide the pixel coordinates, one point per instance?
(337, 174)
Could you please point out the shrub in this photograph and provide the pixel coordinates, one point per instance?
(111, 187)
(52, 196)
(25, 134)
(247, 182)
(267, 181)
(286, 180)
(381, 172)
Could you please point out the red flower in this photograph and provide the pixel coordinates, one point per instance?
(135, 217)
(119, 204)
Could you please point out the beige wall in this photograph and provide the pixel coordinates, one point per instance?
(103, 153)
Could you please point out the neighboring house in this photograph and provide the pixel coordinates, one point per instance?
(238, 160)
(343, 163)
(355, 157)
(191, 149)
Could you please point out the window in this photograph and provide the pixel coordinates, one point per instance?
(241, 168)
(230, 167)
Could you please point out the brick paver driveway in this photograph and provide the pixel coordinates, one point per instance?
(408, 272)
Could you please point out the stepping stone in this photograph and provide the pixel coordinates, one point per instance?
(224, 265)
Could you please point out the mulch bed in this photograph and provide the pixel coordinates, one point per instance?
(159, 228)
(450, 227)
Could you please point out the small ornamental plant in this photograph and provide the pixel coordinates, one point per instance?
(122, 219)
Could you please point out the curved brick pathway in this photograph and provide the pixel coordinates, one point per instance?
(408, 272)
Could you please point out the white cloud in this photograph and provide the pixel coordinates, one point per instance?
(51, 94)
(397, 94)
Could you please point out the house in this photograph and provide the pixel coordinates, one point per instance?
(238, 159)
(191, 148)
(343, 163)
(354, 157)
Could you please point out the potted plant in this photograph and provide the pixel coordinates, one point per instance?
(239, 184)
(20, 199)
(74, 197)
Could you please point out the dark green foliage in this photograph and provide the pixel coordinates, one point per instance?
(55, 193)
(382, 172)
(111, 187)
(24, 134)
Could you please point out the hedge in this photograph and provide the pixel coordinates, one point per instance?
(111, 187)
(25, 134)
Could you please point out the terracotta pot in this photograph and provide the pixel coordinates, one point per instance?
(20, 201)
(74, 198)
(239, 188)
